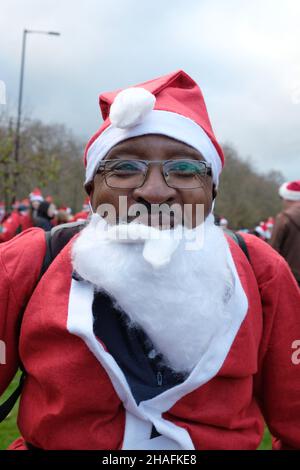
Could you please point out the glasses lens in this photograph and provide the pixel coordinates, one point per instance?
(125, 174)
(185, 174)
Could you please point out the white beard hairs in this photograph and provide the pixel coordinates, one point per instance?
(181, 305)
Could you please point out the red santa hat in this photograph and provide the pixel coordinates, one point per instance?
(66, 209)
(86, 204)
(171, 105)
(36, 195)
(290, 191)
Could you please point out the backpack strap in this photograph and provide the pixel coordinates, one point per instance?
(239, 240)
(56, 239)
(8, 405)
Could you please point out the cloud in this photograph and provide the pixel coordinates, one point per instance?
(244, 55)
(2, 92)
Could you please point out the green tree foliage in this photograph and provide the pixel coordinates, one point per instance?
(7, 165)
(246, 197)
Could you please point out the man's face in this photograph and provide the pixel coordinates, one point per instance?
(154, 190)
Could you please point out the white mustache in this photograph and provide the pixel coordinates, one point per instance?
(159, 245)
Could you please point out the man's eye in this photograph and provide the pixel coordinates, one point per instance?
(185, 168)
(125, 167)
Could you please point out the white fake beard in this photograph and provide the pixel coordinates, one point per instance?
(180, 303)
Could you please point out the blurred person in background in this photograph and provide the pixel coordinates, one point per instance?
(286, 231)
(2, 211)
(45, 214)
(63, 215)
(223, 223)
(21, 217)
(35, 198)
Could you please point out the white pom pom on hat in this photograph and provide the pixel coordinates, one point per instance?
(130, 107)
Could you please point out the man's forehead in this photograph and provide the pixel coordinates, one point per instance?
(145, 144)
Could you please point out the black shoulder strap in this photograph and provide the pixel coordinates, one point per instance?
(237, 237)
(8, 405)
(56, 239)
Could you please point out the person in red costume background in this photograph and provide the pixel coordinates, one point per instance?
(21, 217)
(132, 340)
(84, 213)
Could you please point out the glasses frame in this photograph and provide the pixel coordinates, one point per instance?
(101, 169)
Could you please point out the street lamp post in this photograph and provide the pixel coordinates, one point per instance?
(17, 138)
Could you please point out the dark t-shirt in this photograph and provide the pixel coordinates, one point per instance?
(132, 350)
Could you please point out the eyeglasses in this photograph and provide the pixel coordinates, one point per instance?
(178, 174)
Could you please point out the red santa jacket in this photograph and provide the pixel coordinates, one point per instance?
(76, 397)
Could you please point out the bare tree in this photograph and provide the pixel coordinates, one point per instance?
(50, 157)
(246, 197)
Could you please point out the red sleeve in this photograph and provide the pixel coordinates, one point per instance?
(20, 263)
(278, 380)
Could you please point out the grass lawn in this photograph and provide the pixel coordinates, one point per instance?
(266, 443)
(9, 430)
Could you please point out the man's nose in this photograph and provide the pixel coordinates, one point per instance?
(154, 190)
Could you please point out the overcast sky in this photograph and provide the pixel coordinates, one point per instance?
(244, 55)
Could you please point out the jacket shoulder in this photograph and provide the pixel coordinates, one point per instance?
(21, 259)
(265, 261)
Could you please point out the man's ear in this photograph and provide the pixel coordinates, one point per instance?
(89, 188)
(214, 192)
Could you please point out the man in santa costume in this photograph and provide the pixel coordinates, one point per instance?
(286, 232)
(144, 335)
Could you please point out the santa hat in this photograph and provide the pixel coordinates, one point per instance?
(171, 105)
(86, 204)
(260, 230)
(270, 222)
(223, 222)
(290, 191)
(66, 209)
(36, 195)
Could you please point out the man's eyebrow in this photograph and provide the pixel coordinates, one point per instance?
(133, 150)
(186, 154)
(117, 151)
